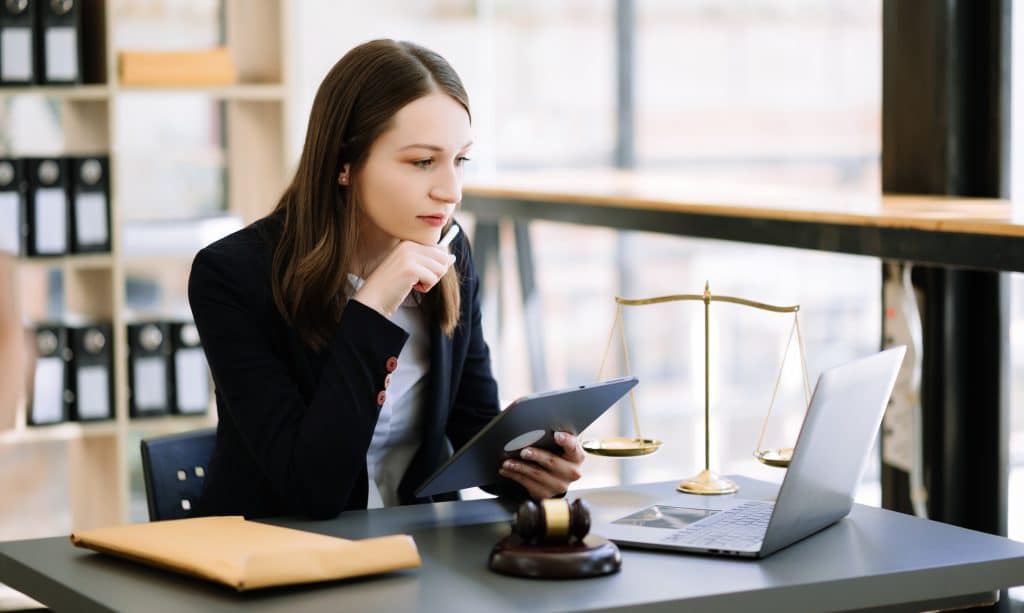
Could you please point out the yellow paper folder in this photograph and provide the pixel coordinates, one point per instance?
(177, 68)
(249, 555)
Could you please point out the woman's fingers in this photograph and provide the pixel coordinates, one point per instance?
(428, 272)
(545, 474)
(557, 465)
(571, 444)
(538, 482)
(408, 266)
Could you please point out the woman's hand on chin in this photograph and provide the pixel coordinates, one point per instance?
(407, 267)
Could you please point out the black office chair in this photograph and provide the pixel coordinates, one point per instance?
(174, 467)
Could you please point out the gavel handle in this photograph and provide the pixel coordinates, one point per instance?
(556, 516)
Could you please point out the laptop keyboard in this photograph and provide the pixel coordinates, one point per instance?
(740, 527)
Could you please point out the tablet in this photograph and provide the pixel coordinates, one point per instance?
(530, 420)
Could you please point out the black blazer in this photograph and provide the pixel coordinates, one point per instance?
(295, 424)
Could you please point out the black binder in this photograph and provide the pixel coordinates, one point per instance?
(19, 64)
(47, 206)
(12, 206)
(91, 372)
(149, 369)
(90, 204)
(59, 43)
(50, 399)
(191, 373)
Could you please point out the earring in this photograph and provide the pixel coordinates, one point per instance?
(343, 179)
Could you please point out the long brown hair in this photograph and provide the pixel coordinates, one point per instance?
(356, 103)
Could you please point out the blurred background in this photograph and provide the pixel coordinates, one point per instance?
(727, 92)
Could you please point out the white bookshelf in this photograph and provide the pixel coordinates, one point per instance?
(255, 111)
(254, 91)
(76, 93)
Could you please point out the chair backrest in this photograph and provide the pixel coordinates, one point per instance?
(174, 468)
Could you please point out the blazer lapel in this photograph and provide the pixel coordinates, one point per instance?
(440, 374)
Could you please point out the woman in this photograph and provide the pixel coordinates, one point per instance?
(345, 344)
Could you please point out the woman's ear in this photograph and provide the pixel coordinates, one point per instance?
(343, 177)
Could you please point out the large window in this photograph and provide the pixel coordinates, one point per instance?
(733, 92)
(713, 105)
(761, 91)
(539, 74)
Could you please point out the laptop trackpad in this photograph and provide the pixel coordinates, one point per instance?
(662, 516)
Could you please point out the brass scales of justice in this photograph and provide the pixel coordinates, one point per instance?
(706, 482)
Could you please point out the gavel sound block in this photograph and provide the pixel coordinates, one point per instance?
(551, 540)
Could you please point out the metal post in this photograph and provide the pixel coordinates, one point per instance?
(945, 130)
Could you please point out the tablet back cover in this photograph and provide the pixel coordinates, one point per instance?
(568, 410)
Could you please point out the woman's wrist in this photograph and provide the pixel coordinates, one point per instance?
(367, 299)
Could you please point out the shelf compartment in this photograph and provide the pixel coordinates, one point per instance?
(241, 91)
(85, 261)
(255, 150)
(66, 431)
(97, 93)
(169, 424)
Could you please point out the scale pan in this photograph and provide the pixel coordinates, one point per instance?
(621, 446)
(775, 457)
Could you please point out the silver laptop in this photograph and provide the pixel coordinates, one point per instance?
(828, 462)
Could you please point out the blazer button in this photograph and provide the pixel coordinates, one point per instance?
(381, 396)
(387, 381)
(391, 364)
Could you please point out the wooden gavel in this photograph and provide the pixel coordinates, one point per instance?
(553, 520)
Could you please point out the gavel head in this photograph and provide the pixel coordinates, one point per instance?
(554, 520)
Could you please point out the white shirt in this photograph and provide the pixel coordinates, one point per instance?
(397, 435)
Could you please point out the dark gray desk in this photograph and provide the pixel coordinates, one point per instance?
(874, 558)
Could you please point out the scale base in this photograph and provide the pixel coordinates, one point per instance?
(708, 483)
